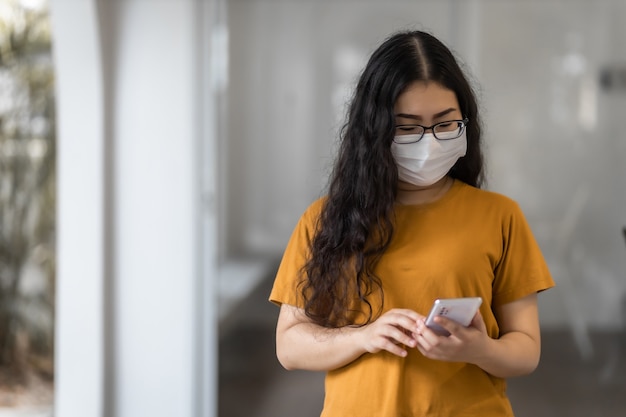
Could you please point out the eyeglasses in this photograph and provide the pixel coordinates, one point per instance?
(447, 130)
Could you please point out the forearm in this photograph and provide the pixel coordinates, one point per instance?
(311, 347)
(513, 354)
(303, 344)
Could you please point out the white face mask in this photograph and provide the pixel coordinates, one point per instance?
(425, 162)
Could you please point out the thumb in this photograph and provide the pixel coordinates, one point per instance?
(478, 322)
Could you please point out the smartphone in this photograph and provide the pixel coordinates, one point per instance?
(461, 310)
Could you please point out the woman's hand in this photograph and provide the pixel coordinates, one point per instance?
(515, 352)
(391, 331)
(465, 344)
(302, 344)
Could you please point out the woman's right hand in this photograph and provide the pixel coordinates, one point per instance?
(303, 344)
(391, 331)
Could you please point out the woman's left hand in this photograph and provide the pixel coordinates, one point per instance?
(465, 344)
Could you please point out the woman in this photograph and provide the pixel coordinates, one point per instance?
(404, 223)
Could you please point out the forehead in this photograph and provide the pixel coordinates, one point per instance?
(425, 99)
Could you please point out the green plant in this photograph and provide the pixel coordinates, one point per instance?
(27, 191)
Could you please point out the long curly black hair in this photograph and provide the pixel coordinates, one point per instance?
(356, 222)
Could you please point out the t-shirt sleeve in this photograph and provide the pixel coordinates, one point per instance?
(522, 270)
(289, 275)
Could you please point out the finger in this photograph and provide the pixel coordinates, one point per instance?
(478, 322)
(431, 333)
(402, 321)
(412, 315)
(450, 325)
(426, 337)
(393, 348)
(401, 336)
(427, 345)
(403, 318)
(430, 338)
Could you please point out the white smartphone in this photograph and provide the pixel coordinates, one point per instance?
(461, 310)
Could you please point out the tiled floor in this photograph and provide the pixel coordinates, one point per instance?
(252, 383)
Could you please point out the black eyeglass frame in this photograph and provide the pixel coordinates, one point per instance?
(463, 124)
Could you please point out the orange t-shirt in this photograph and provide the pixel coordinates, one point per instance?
(471, 242)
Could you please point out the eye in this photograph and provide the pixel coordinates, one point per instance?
(408, 129)
(448, 126)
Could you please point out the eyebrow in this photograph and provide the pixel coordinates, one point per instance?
(435, 116)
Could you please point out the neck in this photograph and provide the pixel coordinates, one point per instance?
(409, 194)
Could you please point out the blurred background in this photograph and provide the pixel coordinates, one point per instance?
(550, 76)
(193, 134)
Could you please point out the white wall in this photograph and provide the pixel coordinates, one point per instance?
(137, 314)
(80, 324)
(155, 218)
(555, 144)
